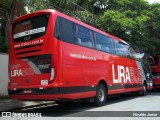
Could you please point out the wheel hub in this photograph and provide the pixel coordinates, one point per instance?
(101, 94)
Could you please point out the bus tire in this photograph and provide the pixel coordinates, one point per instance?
(101, 95)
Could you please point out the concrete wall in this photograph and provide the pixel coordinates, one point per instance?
(3, 74)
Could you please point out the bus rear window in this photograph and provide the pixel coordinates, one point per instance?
(31, 28)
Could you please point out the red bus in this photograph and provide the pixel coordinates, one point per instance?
(156, 72)
(55, 57)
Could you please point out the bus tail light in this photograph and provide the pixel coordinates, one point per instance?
(52, 74)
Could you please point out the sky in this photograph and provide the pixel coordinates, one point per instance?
(152, 1)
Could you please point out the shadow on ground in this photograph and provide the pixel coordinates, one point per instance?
(71, 108)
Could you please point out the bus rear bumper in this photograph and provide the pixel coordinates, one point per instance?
(35, 94)
(149, 87)
(156, 83)
(156, 86)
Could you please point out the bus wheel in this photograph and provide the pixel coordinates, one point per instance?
(143, 92)
(100, 98)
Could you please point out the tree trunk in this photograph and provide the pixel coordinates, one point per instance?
(17, 9)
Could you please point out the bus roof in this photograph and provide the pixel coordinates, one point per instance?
(69, 18)
(86, 25)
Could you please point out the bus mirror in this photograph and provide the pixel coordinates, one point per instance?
(141, 55)
(138, 56)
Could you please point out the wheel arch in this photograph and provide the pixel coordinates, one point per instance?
(103, 82)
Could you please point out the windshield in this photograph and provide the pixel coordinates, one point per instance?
(31, 28)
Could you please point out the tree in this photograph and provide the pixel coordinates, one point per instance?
(138, 17)
(34, 5)
(76, 9)
(153, 28)
(10, 9)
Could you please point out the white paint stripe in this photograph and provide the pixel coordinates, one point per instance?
(32, 65)
(29, 32)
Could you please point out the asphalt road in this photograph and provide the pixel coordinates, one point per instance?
(121, 107)
(128, 105)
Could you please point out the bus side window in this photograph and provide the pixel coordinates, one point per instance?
(83, 36)
(57, 29)
(112, 46)
(104, 43)
(122, 49)
(67, 30)
(78, 41)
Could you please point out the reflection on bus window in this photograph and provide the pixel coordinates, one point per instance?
(122, 49)
(83, 36)
(104, 43)
(135, 53)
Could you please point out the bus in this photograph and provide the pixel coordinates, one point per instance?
(53, 56)
(156, 72)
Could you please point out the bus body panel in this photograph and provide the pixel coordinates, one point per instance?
(156, 73)
(94, 67)
(156, 67)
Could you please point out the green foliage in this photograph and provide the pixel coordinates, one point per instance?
(138, 17)
(9, 10)
(115, 22)
(3, 46)
(34, 5)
